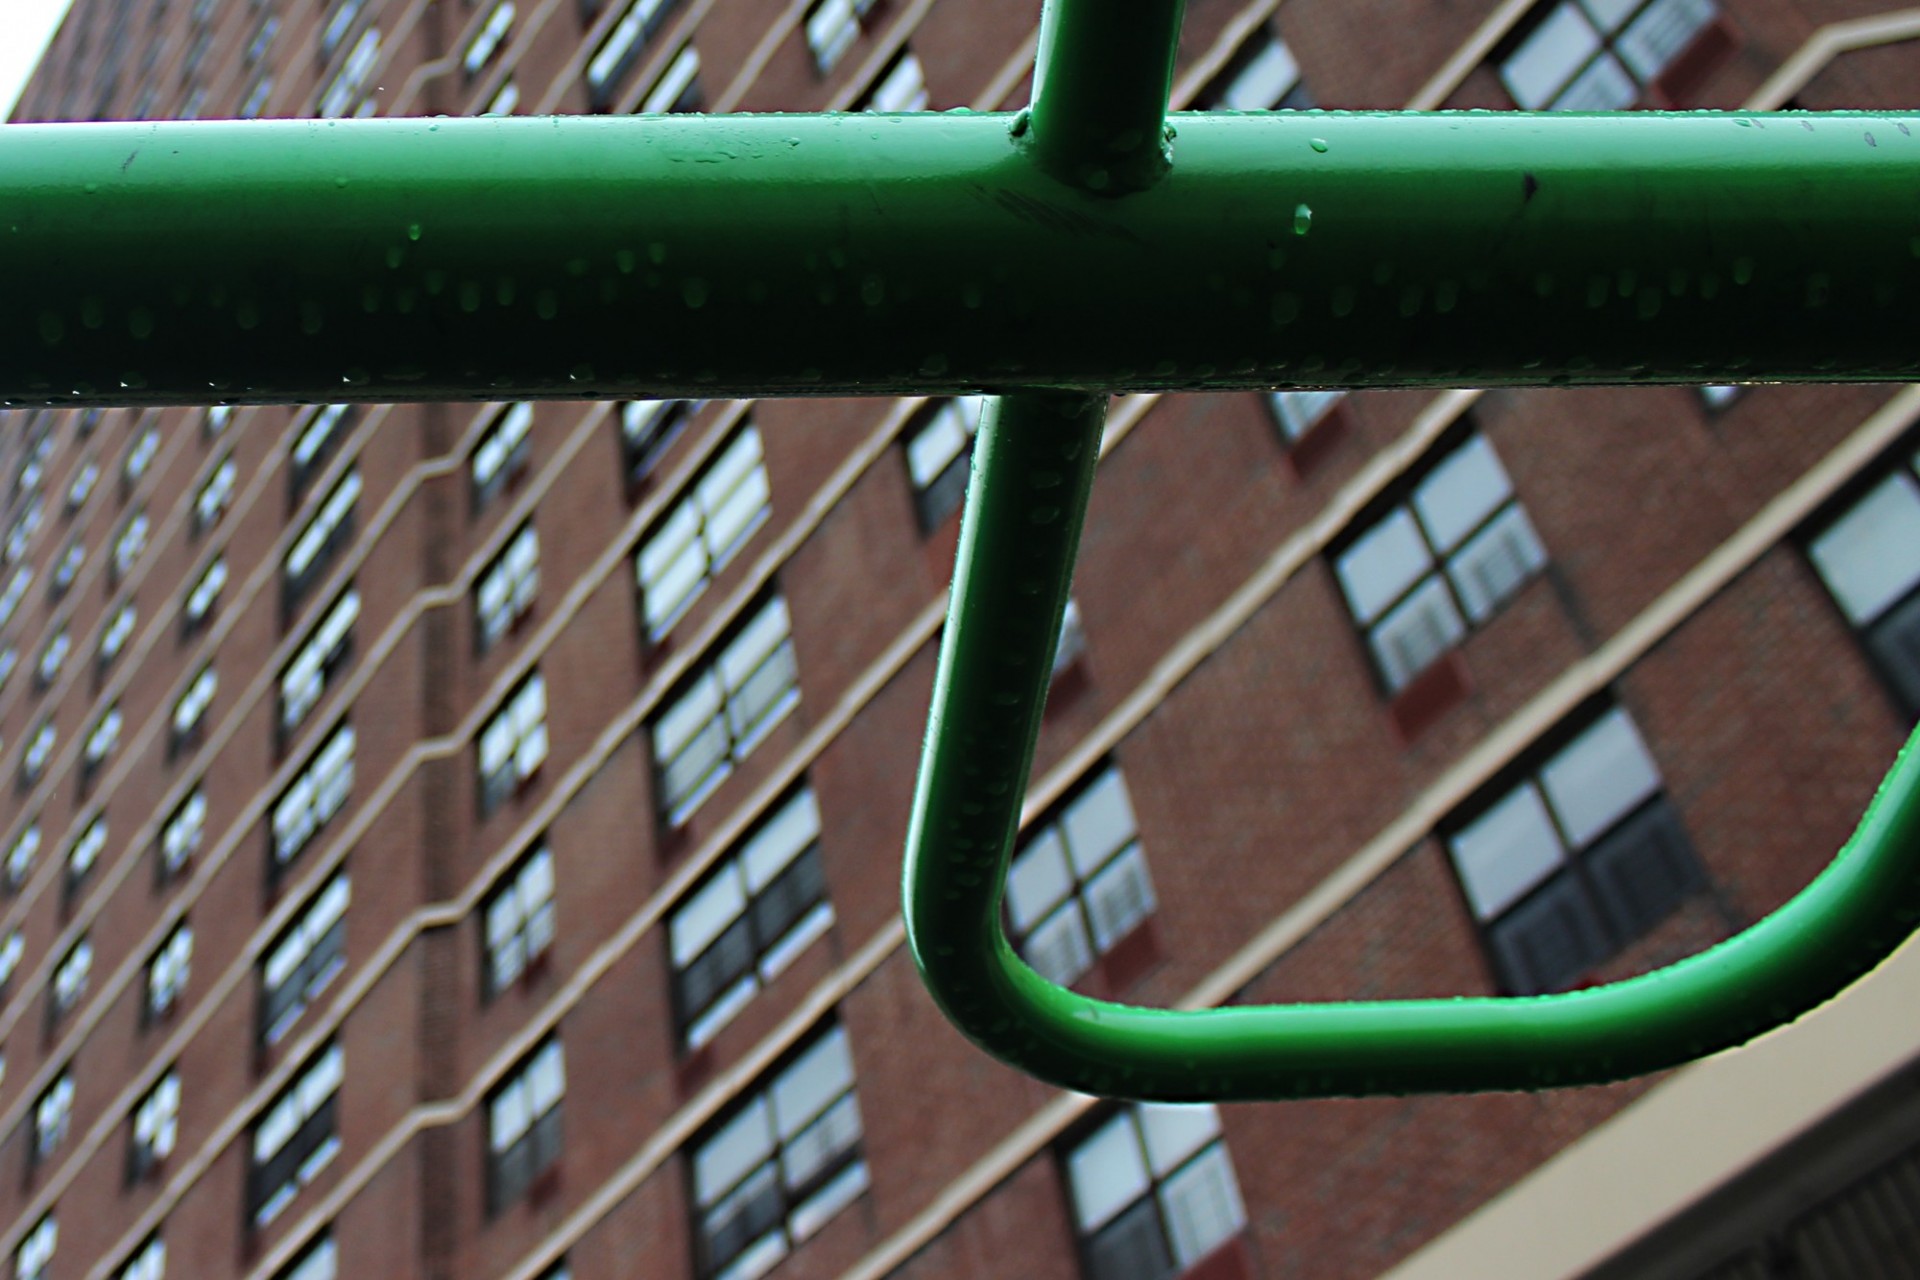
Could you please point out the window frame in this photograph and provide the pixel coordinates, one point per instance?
(320, 658)
(519, 1167)
(316, 939)
(503, 451)
(153, 1127)
(330, 528)
(324, 792)
(773, 944)
(518, 898)
(313, 1141)
(1410, 505)
(519, 722)
(839, 1175)
(168, 971)
(1647, 826)
(52, 1118)
(1887, 624)
(1196, 1152)
(1609, 37)
(646, 430)
(708, 682)
(505, 592)
(943, 490)
(681, 536)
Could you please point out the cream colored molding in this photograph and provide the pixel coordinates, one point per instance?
(1685, 1138)
(1827, 44)
(1432, 95)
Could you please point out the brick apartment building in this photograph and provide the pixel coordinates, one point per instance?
(464, 844)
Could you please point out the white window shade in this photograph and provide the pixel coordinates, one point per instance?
(1107, 1173)
(1507, 851)
(1870, 557)
(1600, 777)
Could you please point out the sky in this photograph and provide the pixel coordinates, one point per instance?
(25, 28)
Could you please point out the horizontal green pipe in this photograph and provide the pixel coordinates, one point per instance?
(782, 255)
(1033, 468)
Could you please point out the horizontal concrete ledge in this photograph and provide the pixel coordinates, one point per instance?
(599, 257)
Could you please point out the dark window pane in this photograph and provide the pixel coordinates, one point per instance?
(1131, 1247)
(1643, 869)
(1894, 642)
(1550, 939)
(790, 896)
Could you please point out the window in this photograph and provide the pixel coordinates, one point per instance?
(324, 535)
(1718, 395)
(1298, 412)
(343, 94)
(67, 568)
(204, 595)
(619, 52)
(1584, 855)
(523, 1125)
(303, 960)
(755, 913)
(10, 952)
(678, 88)
(128, 546)
(1073, 638)
(52, 655)
(1869, 559)
(262, 39)
(51, 1113)
(339, 22)
(82, 485)
(832, 27)
(313, 798)
(70, 978)
(85, 851)
(180, 838)
(318, 661)
(487, 41)
(320, 436)
(507, 587)
(318, 1261)
(20, 536)
(149, 1262)
(703, 531)
(168, 971)
(939, 448)
(647, 428)
(216, 419)
(101, 742)
(258, 94)
(1600, 55)
(1079, 883)
(1262, 75)
(731, 703)
(1417, 578)
(20, 856)
(216, 495)
(156, 1123)
(1153, 1192)
(519, 920)
(33, 761)
(16, 590)
(190, 712)
(140, 455)
(114, 636)
(514, 743)
(902, 87)
(781, 1165)
(9, 659)
(35, 1254)
(502, 452)
(296, 1138)
(504, 100)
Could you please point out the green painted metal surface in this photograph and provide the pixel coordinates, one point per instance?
(768, 255)
(1060, 254)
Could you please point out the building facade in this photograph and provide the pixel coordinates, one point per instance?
(460, 844)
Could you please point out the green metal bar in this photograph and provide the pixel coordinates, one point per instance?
(1101, 80)
(1032, 473)
(770, 255)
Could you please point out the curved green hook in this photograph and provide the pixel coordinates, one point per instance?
(1032, 472)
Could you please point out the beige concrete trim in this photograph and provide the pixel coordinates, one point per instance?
(756, 61)
(1432, 95)
(1231, 37)
(1827, 44)
(1011, 72)
(1686, 1138)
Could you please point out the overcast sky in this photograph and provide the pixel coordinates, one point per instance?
(25, 28)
